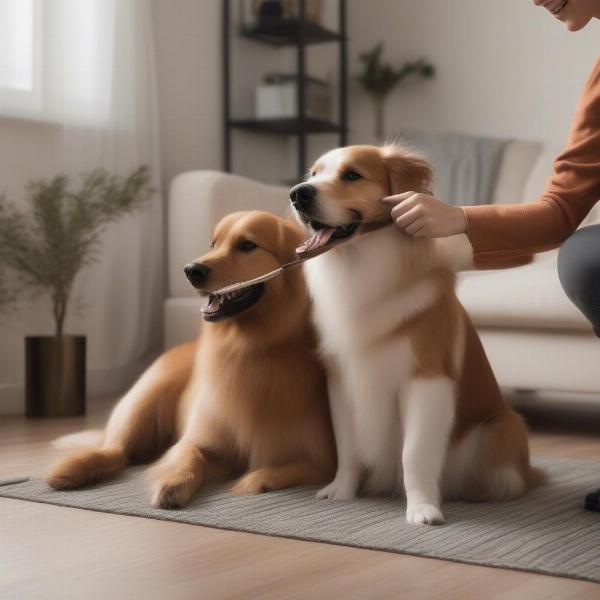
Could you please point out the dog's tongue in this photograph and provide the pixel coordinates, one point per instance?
(213, 305)
(319, 239)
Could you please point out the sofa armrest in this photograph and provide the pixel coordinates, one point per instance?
(197, 201)
(515, 170)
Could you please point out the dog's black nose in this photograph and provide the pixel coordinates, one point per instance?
(196, 273)
(302, 196)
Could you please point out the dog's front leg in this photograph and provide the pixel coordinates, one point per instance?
(177, 475)
(427, 410)
(347, 477)
(185, 466)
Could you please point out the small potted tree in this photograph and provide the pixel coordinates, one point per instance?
(379, 79)
(7, 294)
(45, 247)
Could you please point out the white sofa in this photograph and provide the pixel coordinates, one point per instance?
(535, 338)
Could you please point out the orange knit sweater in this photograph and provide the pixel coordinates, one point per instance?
(507, 235)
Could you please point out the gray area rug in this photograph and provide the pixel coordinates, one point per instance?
(546, 532)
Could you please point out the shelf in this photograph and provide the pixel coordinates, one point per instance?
(294, 34)
(287, 33)
(285, 126)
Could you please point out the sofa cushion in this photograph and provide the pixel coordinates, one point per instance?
(525, 297)
(515, 170)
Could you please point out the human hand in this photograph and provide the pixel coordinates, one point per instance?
(423, 215)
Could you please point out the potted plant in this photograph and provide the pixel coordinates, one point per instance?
(7, 294)
(45, 247)
(379, 79)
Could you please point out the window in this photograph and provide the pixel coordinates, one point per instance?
(56, 60)
(16, 44)
(19, 81)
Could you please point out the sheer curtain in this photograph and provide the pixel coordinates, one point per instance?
(83, 72)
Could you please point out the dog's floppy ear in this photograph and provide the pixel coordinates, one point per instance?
(289, 236)
(406, 170)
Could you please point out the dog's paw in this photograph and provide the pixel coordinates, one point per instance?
(70, 474)
(172, 493)
(338, 489)
(424, 514)
(63, 481)
(255, 482)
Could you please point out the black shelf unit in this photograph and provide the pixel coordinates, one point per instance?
(288, 32)
(291, 32)
(285, 126)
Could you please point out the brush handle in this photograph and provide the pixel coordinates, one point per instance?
(364, 229)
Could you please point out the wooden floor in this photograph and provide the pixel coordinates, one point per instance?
(54, 552)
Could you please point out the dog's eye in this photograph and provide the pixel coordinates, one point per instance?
(246, 246)
(351, 175)
(313, 173)
(212, 244)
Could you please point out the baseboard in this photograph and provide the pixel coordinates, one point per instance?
(100, 382)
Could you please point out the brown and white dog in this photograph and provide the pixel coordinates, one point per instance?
(415, 406)
(249, 397)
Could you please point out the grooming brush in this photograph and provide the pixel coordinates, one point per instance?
(364, 229)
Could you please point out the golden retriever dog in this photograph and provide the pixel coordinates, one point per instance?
(248, 398)
(415, 406)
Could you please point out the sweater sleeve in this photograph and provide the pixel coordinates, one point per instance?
(507, 233)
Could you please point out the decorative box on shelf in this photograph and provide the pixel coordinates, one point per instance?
(265, 12)
(277, 98)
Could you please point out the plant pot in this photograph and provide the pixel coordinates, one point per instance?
(55, 376)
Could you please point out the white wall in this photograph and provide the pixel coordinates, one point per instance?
(187, 34)
(188, 39)
(505, 68)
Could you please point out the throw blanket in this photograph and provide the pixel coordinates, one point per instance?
(465, 167)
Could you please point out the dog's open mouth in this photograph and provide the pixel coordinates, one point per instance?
(225, 306)
(324, 235)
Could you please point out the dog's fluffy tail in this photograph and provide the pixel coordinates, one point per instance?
(536, 477)
(91, 438)
(86, 467)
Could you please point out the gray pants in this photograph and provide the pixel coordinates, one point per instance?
(579, 272)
